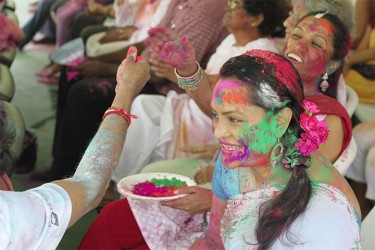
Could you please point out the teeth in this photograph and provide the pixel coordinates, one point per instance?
(230, 147)
(295, 57)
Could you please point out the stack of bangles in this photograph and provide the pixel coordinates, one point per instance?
(121, 112)
(190, 82)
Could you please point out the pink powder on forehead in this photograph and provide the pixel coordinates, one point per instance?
(326, 24)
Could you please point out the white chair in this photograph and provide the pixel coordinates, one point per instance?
(343, 163)
(367, 231)
(352, 100)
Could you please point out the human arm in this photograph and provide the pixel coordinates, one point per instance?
(117, 34)
(96, 9)
(211, 238)
(363, 53)
(87, 186)
(363, 14)
(116, 57)
(197, 200)
(95, 68)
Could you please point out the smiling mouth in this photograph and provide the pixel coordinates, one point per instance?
(295, 57)
(230, 148)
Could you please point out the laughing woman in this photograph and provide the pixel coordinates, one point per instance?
(272, 189)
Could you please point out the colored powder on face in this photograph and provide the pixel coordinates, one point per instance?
(314, 26)
(231, 93)
(262, 137)
(158, 187)
(326, 24)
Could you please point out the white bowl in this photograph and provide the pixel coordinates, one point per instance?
(125, 185)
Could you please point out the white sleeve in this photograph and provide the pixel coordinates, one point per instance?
(34, 219)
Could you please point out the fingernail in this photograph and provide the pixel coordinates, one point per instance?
(132, 51)
(139, 59)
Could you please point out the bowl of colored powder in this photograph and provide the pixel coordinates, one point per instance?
(153, 186)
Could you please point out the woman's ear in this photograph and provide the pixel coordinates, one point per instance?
(255, 21)
(283, 119)
(332, 66)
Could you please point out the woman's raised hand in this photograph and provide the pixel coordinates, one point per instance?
(132, 74)
(170, 47)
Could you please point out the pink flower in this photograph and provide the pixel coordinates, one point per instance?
(307, 122)
(306, 144)
(310, 106)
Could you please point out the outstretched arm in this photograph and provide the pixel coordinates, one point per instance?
(87, 186)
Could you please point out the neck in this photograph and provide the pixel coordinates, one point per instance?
(255, 178)
(244, 36)
(310, 88)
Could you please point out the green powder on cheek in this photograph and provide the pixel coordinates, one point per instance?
(260, 138)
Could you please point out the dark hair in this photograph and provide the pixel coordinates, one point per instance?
(341, 45)
(275, 84)
(7, 135)
(274, 12)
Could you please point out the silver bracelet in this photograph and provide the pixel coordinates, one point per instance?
(190, 82)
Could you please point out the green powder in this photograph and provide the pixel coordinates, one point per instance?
(168, 182)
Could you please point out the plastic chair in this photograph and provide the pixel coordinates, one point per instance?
(367, 231)
(343, 163)
(14, 119)
(351, 101)
(7, 86)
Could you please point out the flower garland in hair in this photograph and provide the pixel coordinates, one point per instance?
(315, 131)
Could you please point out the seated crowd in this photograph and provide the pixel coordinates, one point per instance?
(246, 97)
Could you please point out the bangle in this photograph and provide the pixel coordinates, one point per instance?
(126, 116)
(190, 82)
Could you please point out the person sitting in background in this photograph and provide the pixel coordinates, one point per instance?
(58, 205)
(131, 26)
(342, 9)
(41, 16)
(360, 63)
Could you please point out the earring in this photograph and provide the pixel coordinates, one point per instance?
(324, 85)
(276, 158)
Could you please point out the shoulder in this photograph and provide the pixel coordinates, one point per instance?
(323, 174)
(39, 216)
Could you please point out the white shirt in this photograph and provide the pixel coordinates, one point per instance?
(34, 219)
(227, 49)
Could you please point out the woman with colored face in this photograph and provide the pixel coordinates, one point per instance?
(272, 190)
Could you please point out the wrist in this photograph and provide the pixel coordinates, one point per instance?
(188, 69)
